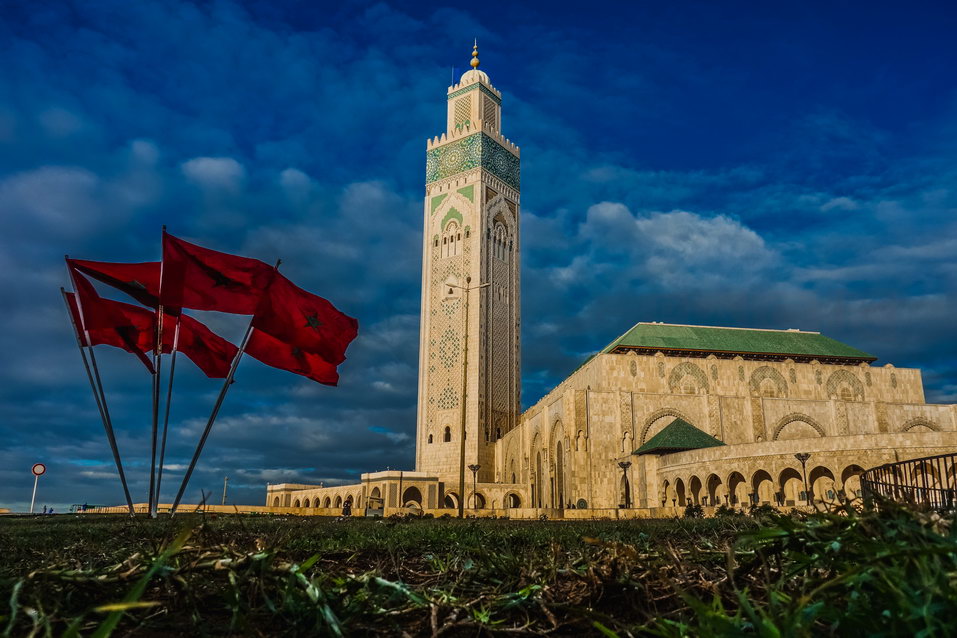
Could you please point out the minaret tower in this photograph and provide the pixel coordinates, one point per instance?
(471, 231)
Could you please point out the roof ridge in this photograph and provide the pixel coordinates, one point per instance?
(691, 325)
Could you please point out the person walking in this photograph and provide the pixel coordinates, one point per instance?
(347, 507)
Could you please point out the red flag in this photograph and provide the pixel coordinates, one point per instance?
(135, 332)
(305, 320)
(204, 279)
(284, 356)
(138, 280)
(211, 353)
(106, 322)
(77, 322)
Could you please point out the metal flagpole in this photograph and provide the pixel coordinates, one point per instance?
(157, 365)
(219, 402)
(99, 396)
(169, 398)
(212, 417)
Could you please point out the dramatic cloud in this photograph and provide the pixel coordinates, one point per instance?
(767, 170)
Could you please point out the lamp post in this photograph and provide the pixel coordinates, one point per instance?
(465, 372)
(475, 467)
(624, 465)
(803, 457)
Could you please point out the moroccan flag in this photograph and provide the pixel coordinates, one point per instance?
(138, 280)
(105, 321)
(133, 329)
(204, 279)
(284, 356)
(211, 353)
(108, 323)
(304, 320)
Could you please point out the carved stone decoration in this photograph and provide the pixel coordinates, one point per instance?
(893, 380)
(757, 418)
(794, 416)
(920, 422)
(661, 369)
(767, 372)
(686, 368)
(581, 419)
(882, 424)
(714, 416)
(634, 369)
(793, 375)
(842, 424)
(840, 377)
(654, 416)
(740, 373)
(867, 378)
(818, 377)
(624, 402)
(714, 372)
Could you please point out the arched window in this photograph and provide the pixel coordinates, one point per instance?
(452, 240)
(430, 438)
(448, 434)
(500, 242)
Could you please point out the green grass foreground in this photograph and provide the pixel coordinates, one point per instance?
(844, 573)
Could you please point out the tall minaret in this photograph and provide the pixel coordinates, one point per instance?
(471, 230)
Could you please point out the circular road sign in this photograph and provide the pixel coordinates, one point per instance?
(39, 469)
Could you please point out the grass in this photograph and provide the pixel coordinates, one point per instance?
(841, 573)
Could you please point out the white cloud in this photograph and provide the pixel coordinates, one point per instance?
(215, 172)
(677, 248)
(840, 203)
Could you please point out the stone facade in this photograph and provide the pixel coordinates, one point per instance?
(561, 457)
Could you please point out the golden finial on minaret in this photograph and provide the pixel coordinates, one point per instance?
(475, 59)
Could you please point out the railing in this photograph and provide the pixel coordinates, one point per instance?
(929, 481)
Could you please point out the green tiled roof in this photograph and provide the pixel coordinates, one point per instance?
(660, 336)
(677, 436)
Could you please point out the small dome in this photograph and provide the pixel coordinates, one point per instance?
(473, 75)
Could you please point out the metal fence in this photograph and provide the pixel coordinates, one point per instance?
(929, 481)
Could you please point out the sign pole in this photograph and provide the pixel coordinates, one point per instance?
(33, 500)
(38, 469)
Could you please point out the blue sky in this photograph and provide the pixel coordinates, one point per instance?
(747, 164)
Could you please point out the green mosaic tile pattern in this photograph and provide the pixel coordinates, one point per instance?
(707, 339)
(468, 192)
(480, 87)
(471, 152)
(437, 201)
(678, 436)
(452, 214)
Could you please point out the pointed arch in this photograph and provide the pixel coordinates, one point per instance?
(791, 418)
(497, 210)
(764, 373)
(918, 422)
(654, 416)
(683, 369)
(842, 377)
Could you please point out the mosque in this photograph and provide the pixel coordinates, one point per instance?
(663, 416)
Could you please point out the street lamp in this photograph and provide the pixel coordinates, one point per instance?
(624, 465)
(803, 457)
(465, 370)
(475, 467)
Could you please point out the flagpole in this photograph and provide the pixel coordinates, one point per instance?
(212, 417)
(219, 402)
(169, 398)
(100, 404)
(157, 365)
